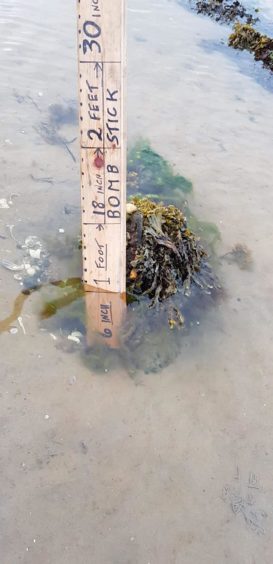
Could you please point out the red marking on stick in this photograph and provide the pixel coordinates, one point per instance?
(98, 162)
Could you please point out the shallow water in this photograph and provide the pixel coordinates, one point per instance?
(264, 6)
(168, 468)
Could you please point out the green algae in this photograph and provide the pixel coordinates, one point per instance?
(151, 175)
(7, 323)
(208, 232)
(246, 37)
(67, 290)
(72, 290)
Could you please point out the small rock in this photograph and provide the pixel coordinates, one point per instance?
(32, 241)
(4, 203)
(130, 208)
(31, 270)
(35, 253)
(84, 447)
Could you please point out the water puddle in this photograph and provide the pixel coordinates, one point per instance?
(165, 297)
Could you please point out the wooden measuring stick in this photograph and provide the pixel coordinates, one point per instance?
(104, 316)
(101, 42)
(101, 33)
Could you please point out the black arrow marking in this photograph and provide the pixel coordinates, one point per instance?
(101, 281)
(98, 67)
(98, 152)
(100, 227)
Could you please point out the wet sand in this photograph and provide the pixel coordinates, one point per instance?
(169, 468)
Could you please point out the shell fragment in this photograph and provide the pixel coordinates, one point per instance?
(75, 336)
(4, 204)
(35, 253)
(9, 265)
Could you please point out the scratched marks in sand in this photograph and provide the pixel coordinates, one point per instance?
(243, 500)
(101, 32)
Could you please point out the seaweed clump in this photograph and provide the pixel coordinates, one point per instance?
(225, 11)
(245, 37)
(162, 252)
(170, 283)
(151, 176)
(170, 280)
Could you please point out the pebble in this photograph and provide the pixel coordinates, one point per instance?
(130, 208)
(46, 416)
(4, 203)
(35, 253)
(31, 270)
(32, 241)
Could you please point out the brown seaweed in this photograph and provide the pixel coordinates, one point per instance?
(225, 11)
(162, 252)
(245, 37)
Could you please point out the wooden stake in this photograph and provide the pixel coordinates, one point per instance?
(101, 31)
